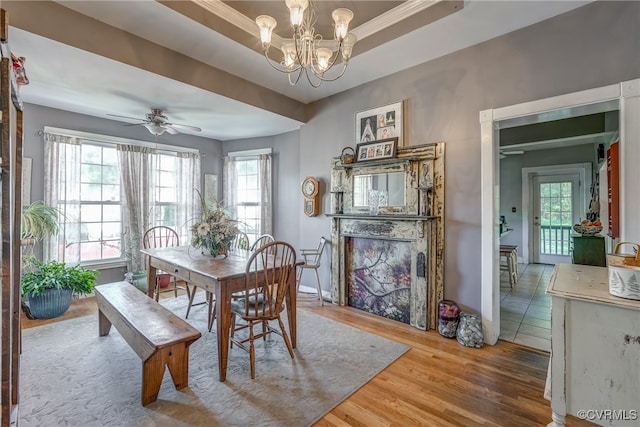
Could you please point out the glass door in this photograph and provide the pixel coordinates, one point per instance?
(555, 198)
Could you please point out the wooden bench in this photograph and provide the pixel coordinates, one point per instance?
(157, 335)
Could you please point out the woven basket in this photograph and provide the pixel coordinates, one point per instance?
(618, 259)
(347, 155)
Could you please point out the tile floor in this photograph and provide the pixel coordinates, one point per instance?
(525, 310)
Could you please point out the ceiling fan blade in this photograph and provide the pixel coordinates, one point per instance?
(126, 117)
(134, 124)
(186, 127)
(170, 129)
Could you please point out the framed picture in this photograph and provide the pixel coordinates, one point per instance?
(380, 123)
(383, 149)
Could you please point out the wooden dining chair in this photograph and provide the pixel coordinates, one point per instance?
(241, 241)
(312, 262)
(262, 240)
(162, 236)
(269, 272)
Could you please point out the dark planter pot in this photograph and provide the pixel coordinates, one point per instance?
(139, 280)
(52, 303)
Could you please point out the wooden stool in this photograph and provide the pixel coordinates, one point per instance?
(511, 255)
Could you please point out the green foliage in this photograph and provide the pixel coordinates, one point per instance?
(56, 275)
(38, 221)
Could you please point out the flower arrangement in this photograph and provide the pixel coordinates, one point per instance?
(214, 230)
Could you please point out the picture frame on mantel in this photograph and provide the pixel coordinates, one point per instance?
(380, 123)
(376, 150)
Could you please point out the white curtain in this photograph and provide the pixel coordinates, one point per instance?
(188, 181)
(229, 181)
(266, 208)
(136, 177)
(62, 181)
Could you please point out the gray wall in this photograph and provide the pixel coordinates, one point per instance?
(511, 181)
(592, 46)
(37, 117)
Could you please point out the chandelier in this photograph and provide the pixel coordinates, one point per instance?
(307, 52)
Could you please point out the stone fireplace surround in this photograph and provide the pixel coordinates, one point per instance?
(419, 222)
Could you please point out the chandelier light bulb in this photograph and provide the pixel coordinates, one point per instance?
(289, 54)
(266, 24)
(324, 58)
(296, 11)
(306, 51)
(341, 18)
(347, 46)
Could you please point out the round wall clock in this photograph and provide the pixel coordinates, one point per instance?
(309, 187)
(311, 192)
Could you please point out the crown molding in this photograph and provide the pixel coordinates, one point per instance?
(391, 17)
(387, 19)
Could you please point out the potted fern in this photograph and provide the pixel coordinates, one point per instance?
(49, 286)
(37, 222)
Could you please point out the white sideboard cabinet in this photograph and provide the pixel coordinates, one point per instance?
(595, 349)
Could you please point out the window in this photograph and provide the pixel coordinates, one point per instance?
(164, 201)
(247, 190)
(87, 180)
(93, 220)
(247, 206)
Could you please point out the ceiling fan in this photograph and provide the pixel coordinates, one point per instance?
(157, 123)
(504, 154)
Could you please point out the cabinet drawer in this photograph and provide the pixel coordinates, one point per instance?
(172, 269)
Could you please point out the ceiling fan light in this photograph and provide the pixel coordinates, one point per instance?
(296, 10)
(341, 18)
(155, 128)
(266, 24)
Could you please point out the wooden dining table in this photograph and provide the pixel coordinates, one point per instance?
(221, 276)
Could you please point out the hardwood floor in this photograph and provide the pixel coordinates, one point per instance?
(442, 383)
(438, 382)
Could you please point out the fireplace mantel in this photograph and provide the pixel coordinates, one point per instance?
(418, 223)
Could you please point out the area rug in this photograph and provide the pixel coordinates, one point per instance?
(72, 377)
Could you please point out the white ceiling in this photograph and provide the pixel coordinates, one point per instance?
(71, 79)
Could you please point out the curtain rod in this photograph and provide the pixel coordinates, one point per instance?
(116, 140)
(249, 153)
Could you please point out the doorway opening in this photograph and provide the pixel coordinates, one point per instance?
(624, 97)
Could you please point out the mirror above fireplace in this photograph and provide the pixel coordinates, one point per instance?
(392, 184)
